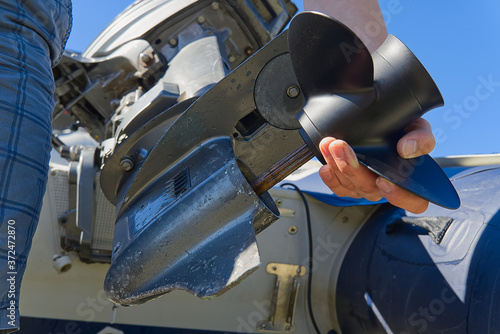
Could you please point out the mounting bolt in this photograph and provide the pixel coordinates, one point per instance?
(293, 92)
(173, 42)
(146, 59)
(215, 5)
(293, 229)
(201, 19)
(127, 163)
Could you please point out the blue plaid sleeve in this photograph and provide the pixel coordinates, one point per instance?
(32, 38)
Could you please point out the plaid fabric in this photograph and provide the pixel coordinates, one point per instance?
(32, 37)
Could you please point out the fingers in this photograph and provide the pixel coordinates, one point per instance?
(332, 181)
(401, 198)
(359, 176)
(331, 175)
(418, 141)
(344, 175)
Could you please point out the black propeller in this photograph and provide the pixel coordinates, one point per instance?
(366, 100)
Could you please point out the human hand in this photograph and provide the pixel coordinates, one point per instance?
(345, 176)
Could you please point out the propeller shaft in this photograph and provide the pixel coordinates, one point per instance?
(280, 170)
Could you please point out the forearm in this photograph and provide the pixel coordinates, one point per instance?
(361, 16)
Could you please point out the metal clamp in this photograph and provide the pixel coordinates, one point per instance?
(283, 298)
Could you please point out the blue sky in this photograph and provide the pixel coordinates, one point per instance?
(457, 41)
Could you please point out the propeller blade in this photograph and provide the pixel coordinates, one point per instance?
(421, 176)
(327, 56)
(366, 100)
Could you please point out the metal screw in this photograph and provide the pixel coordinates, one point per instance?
(345, 219)
(274, 268)
(215, 5)
(293, 229)
(127, 163)
(232, 59)
(173, 42)
(293, 92)
(279, 202)
(287, 328)
(201, 19)
(146, 59)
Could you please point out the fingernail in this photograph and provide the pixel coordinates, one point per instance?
(326, 152)
(409, 148)
(344, 154)
(326, 174)
(338, 151)
(384, 185)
